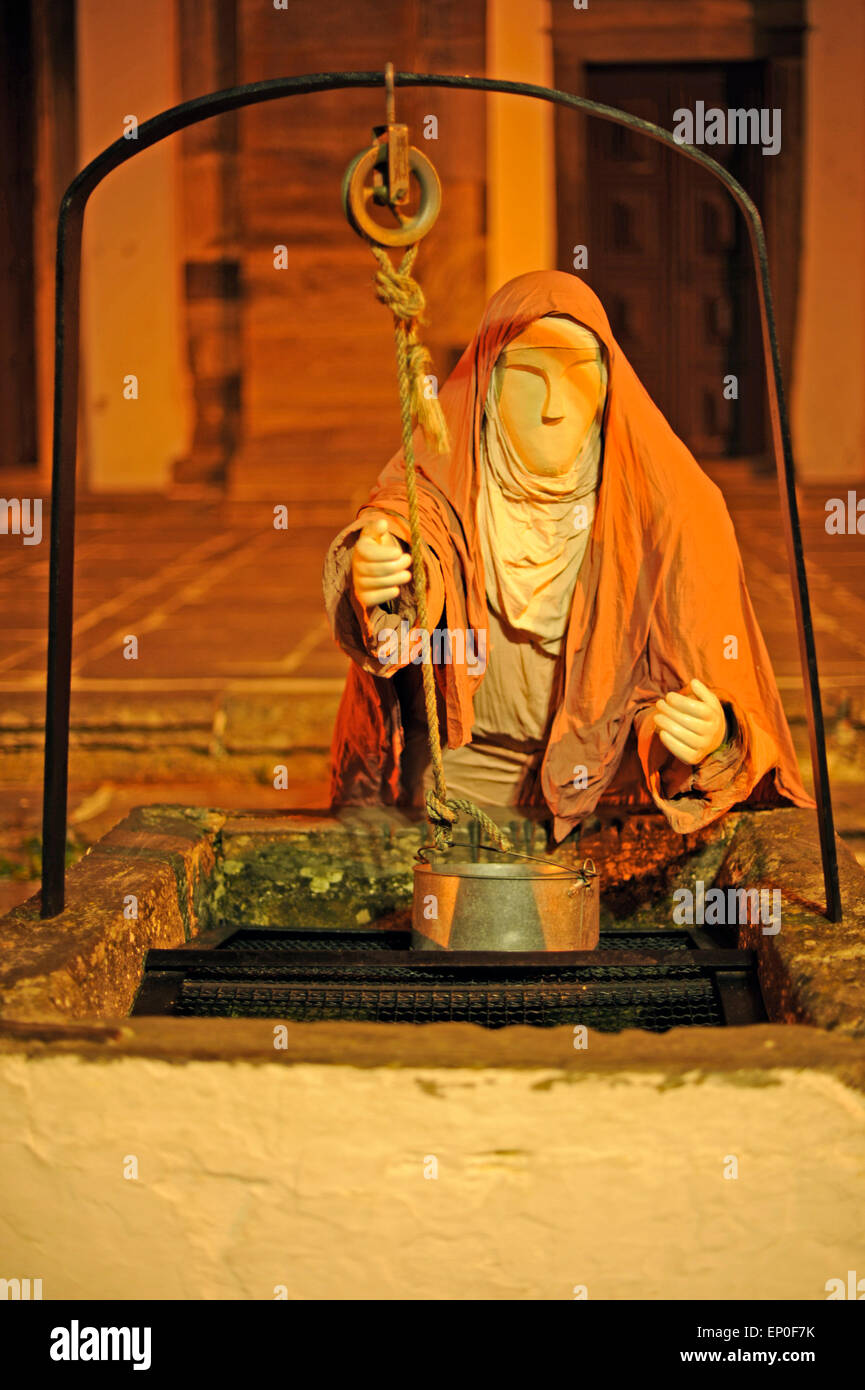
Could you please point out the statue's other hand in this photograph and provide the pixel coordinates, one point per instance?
(379, 565)
(691, 726)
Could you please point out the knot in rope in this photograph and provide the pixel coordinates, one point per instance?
(396, 286)
(444, 812)
(440, 815)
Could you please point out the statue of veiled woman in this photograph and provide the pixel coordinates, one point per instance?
(594, 640)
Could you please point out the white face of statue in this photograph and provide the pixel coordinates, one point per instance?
(549, 383)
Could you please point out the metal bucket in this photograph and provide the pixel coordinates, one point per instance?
(528, 906)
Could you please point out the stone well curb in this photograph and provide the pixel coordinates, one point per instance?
(158, 878)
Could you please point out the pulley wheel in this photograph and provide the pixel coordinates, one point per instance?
(357, 196)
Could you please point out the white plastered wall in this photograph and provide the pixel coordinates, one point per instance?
(258, 1178)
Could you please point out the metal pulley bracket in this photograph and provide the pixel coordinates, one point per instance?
(390, 162)
(395, 189)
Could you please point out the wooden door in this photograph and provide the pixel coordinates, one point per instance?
(669, 257)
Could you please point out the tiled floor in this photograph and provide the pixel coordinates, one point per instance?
(236, 666)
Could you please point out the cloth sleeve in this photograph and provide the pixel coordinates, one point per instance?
(691, 796)
(373, 637)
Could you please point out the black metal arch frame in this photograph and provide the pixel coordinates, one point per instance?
(69, 234)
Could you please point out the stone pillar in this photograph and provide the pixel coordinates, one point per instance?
(55, 167)
(18, 446)
(210, 237)
(828, 406)
(521, 206)
(131, 306)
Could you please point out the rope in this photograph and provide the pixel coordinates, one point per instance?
(397, 288)
(401, 293)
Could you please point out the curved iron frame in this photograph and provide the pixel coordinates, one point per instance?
(69, 234)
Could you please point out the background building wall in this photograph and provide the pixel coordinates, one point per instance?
(240, 378)
(319, 382)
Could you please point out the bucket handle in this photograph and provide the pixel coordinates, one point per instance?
(586, 870)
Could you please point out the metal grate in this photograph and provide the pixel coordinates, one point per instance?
(298, 939)
(274, 939)
(648, 980)
(606, 1004)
